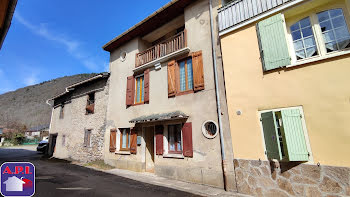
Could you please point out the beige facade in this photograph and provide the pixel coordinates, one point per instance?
(71, 123)
(206, 164)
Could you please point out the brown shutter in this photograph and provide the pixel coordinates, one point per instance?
(112, 140)
(187, 139)
(130, 87)
(198, 76)
(159, 139)
(133, 141)
(171, 79)
(146, 78)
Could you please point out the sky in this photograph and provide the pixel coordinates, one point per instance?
(50, 39)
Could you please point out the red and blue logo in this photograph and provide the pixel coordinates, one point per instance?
(17, 179)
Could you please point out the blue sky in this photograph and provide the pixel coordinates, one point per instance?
(50, 39)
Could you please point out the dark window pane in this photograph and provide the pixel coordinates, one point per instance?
(305, 22)
(323, 16)
(307, 32)
(338, 21)
(336, 12)
(325, 26)
(295, 27)
(341, 32)
(296, 35)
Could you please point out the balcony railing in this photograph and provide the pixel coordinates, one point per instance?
(166, 47)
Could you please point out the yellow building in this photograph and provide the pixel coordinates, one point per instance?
(287, 66)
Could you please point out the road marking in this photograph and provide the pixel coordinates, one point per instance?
(74, 188)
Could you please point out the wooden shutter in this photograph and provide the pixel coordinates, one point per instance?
(294, 134)
(133, 141)
(85, 137)
(171, 79)
(187, 139)
(198, 76)
(130, 89)
(112, 140)
(273, 149)
(159, 139)
(273, 43)
(146, 84)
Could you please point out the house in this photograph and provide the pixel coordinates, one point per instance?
(39, 132)
(162, 112)
(287, 66)
(14, 184)
(78, 120)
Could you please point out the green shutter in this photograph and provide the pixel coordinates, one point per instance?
(272, 42)
(294, 134)
(273, 149)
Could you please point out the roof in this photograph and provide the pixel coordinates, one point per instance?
(152, 22)
(71, 87)
(39, 128)
(160, 117)
(7, 6)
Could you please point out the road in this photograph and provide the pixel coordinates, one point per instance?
(60, 178)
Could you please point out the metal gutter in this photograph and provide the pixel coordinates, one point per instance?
(217, 91)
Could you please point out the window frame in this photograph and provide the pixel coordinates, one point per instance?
(87, 133)
(142, 93)
(127, 139)
(178, 79)
(306, 135)
(319, 40)
(175, 143)
(90, 102)
(61, 115)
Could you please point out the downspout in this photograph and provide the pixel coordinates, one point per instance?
(223, 156)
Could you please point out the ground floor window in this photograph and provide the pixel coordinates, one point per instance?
(124, 139)
(87, 138)
(174, 138)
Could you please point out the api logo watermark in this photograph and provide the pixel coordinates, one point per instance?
(17, 179)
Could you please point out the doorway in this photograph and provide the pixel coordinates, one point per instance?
(52, 143)
(149, 139)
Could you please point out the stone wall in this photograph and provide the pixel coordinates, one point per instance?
(264, 178)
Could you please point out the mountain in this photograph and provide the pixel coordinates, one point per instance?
(28, 106)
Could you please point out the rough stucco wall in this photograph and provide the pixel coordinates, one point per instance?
(75, 122)
(200, 106)
(318, 87)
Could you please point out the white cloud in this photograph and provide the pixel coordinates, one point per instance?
(73, 47)
(30, 80)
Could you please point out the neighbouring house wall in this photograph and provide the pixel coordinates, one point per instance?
(75, 122)
(205, 166)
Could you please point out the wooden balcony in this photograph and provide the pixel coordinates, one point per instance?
(166, 47)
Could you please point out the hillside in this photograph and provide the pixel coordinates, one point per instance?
(28, 105)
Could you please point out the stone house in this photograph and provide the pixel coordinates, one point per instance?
(162, 111)
(286, 75)
(38, 132)
(78, 120)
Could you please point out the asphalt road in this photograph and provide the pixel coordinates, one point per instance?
(60, 178)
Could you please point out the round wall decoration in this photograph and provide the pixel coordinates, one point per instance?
(210, 129)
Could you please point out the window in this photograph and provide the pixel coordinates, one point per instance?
(316, 35)
(62, 111)
(335, 32)
(90, 104)
(174, 138)
(124, 139)
(63, 140)
(186, 75)
(303, 39)
(87, 138)
(139, 91)
(285, 134)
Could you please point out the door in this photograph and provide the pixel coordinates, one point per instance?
(149, 139)
(52, 144)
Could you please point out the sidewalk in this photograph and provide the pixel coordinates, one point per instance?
(153, 179)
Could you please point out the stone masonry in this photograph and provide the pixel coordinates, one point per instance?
(264, 178)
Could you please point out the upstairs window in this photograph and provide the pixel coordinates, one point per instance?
(62, 111)
(186, 75)
(317, 35)
(139, 89)
(90, 105)
(335, 32)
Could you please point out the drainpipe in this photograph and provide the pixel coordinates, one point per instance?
(223, 156)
